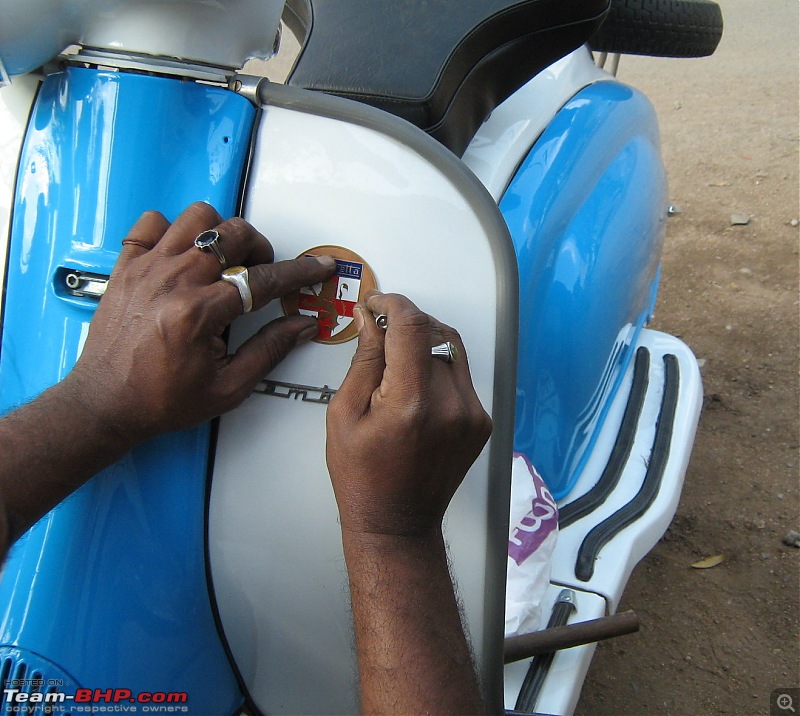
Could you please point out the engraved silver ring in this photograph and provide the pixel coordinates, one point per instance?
(237, 276)
(209, 241)
(446, 352)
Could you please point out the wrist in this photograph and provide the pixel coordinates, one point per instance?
(50, 447)
(379, 538)
(417, 546)
(100, 422)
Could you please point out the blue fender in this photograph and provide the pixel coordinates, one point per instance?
(587, 213)
(109, 589)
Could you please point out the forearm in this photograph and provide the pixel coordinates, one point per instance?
(412, 653)
(49, 448)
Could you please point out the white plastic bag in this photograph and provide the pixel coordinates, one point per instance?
(533, 531)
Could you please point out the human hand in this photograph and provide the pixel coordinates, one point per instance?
(155, 359)
(404, 428)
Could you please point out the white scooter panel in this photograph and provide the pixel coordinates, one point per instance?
(328, 171)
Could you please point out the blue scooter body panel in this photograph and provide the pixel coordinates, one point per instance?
(587, 213)
(110, 587)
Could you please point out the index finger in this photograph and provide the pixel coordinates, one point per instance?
(407, 346)
(269, 281)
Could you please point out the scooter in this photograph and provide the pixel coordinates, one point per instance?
(470, 155)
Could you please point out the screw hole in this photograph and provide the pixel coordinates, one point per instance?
(72, 281)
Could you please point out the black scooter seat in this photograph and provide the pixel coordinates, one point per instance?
(443, 65)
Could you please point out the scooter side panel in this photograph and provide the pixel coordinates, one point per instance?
(587, 213)
(328, 171)
(110, 587)
(15, 105)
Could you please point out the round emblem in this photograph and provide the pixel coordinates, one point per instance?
(333, 301)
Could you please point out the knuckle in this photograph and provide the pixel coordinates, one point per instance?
(449, 333)
(413, 321)
(265, 280)
(404, 312)
(152, 215)
(276, 350)
(236, 227)
(204, 212)
(418, 319)
(230, 390)
(468, 420)
(367, 354)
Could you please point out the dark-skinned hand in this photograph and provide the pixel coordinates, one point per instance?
(404, 428)
(155, 359)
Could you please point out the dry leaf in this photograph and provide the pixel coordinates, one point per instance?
(709, 562)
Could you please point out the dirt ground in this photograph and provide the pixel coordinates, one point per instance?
(719, 640)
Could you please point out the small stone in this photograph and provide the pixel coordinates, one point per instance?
(792, 539)
(740, 219)
(728, 327)
(746, 271)
(674, 209)
(701, 362)
(794, 222)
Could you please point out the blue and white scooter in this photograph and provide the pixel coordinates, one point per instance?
(476, 159)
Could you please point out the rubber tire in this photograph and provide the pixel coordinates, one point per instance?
(660, 28)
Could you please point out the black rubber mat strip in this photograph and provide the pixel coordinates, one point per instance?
(540, 665)
(589, 502)
(599, 536)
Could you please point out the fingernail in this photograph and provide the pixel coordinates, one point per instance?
(327, 261)
(308, 333)
(358, 317)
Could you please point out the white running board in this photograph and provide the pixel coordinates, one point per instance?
(622, 504)
(600, 544)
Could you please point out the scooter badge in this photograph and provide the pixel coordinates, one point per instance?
(333, 301)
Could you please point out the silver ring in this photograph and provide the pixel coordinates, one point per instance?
(237, 276)
(209, 241)
(445, 351)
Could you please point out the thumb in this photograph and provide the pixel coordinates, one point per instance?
(260, 353)
(366, 369)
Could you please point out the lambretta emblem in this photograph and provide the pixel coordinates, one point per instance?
(333, 301)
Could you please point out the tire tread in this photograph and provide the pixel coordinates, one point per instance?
(660, 28)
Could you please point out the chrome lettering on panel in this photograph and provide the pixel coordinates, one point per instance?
(306, 393)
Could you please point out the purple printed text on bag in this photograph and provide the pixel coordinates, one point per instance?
(534, 528)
